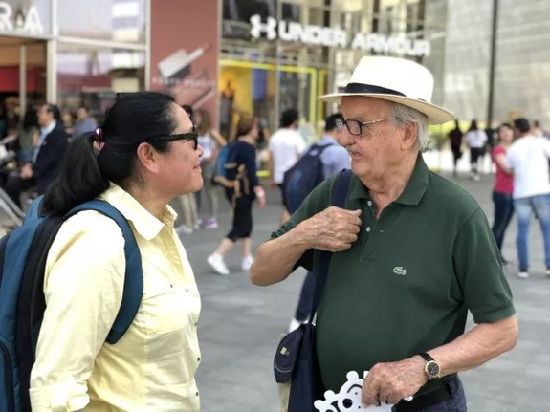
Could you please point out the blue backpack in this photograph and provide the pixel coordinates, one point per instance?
(223, 165)
(23, 255)
(301, 179)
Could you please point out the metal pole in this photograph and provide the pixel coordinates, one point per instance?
(276, 100)
(492, 64)
(147, 60)
(51, 58)
(22, 79)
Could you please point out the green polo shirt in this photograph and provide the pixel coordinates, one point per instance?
(407, 283)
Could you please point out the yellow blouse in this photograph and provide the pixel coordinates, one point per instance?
(152, 367)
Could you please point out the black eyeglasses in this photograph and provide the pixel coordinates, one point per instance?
(355, 127)
(193, 136)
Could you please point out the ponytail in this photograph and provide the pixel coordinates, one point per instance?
(79, 179)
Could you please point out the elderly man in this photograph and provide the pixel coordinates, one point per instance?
(413, 254)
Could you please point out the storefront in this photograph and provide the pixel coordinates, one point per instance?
(281, 54)
(71, 52)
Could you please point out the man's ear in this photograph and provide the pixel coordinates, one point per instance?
(148, 157)
(410, 136)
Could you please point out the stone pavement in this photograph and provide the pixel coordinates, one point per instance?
(240, 326)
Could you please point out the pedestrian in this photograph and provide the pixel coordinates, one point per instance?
(333, 159)
(186, 204)
(41, 169)
(476, 139)
(146, 154)
(84, 122)
(209, 193)
(503, 191)
(412, 254)
(455, 136)
(528, 160)
(285, 148)
(246, 188)
(28, 134)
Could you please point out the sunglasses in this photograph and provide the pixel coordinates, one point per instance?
(193, 136)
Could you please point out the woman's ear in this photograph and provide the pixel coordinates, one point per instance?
(147, 157)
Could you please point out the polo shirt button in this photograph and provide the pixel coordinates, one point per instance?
(369, 203)
(198, 359)
(367, 228)
(197, 394)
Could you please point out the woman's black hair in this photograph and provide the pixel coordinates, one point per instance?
(84, 174)
(473, 125)
(30, 120)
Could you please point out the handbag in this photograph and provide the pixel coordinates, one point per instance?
(296, 362)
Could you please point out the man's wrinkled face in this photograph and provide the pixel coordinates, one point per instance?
(378, 145)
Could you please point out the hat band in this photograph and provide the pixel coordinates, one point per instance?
(361, 88)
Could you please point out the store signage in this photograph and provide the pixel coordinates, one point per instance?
(20, 22)
(330, 37)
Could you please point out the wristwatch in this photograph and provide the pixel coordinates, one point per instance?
(431, 368)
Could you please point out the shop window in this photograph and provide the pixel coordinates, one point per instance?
(93, 76)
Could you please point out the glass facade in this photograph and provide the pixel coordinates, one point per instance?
(522, 58)
(97, 50)
(116, 20)
(93, 75)
(312, 45)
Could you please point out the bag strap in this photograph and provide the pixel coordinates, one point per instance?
(338, 198)
(132, 291)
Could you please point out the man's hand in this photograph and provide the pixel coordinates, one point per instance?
(393, 381)
(26, 171)
(333, 229)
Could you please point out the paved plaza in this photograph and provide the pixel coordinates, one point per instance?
(241, 324)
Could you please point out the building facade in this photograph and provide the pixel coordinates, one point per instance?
(281, 54)
(71, 51)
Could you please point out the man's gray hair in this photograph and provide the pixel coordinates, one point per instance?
(404, 114)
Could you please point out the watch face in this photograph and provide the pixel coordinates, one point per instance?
(432, 369)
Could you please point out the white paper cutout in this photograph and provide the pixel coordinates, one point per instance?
(349, 397)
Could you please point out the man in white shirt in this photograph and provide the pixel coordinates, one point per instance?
(285, 148)
(528, 159)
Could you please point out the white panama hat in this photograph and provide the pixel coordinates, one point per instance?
(398, 80)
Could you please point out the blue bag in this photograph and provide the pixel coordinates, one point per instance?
(23, 255)
(224, 164)
(296, 356)
(301, 179)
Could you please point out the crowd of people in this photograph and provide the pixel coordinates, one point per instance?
(519, 151)
(150, 156)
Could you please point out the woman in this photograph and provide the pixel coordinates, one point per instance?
(209, 192)
(146, 155)
(504, 185)
(245, 189)
(28, 134)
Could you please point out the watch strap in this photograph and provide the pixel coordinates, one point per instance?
(426, 356)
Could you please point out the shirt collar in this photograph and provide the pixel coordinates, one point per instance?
(414, 190)
(48, 129)
(327, 139)
(147, 225)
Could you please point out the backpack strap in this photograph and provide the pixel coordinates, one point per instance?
(132, 292)
(338, 198)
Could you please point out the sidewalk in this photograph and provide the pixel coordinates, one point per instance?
(241, 324)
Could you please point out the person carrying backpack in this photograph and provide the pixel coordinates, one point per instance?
(241, 189)
(332, 158)
(144, 155)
